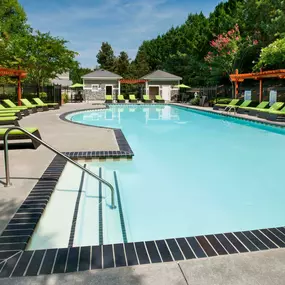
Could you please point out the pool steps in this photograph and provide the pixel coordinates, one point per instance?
(77, 216)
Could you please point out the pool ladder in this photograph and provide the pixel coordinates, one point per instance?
(7, 168)
(228, 110)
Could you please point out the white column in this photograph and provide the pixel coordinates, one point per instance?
(119, 87)
(146, 88)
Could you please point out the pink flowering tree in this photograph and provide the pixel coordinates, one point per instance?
(228, 51)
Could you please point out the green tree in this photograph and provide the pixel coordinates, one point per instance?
(77, 72)
(44, 56)
(272, 56)
(106, 57)
(140, 67)
(12, 27)
(122, 64)
(12, 18)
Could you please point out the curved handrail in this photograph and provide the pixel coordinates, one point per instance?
(7, 169)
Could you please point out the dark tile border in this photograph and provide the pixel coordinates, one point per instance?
(16, 262)
(125, 150)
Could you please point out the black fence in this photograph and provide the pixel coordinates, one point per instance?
(53, 92)
(213, 93)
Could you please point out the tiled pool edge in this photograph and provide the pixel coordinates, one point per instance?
(229, 115)
(20, 263)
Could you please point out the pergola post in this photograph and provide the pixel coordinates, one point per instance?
(236, 86)
(19, 91)
(260, 90)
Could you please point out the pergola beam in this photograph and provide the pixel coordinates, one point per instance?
(279, 73)
(18, 73)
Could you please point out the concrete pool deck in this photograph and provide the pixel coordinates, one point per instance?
(27, 165)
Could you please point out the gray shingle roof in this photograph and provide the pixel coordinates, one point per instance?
(62, 82)
(159, 74)
(101, 73)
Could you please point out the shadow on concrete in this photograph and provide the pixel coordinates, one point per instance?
(7, 210)
(17, 146)
(115, 276)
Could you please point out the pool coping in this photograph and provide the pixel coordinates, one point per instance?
(15, 261)
(230, 115)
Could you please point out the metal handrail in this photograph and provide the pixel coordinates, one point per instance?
(7, 168)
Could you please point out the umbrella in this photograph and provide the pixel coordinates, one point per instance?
(76, 85)
(182, 86)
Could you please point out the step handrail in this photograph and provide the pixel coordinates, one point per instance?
(33, 137)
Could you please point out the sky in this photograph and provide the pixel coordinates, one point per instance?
(125, 24)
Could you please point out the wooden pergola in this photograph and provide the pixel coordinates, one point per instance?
(132, 81)
(15, 73)
(237, 78)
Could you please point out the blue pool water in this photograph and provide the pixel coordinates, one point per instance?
(193, 173)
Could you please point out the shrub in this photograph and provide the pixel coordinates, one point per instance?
(64, 97)
(195, 101)
(43, 95)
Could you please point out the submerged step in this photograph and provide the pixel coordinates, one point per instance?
(53, 229)
(87, 225)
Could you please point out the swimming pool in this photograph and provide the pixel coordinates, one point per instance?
(193, 173)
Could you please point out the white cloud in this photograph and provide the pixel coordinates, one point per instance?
(123, 23)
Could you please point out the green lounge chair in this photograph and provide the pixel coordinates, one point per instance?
(276, 115)
(245, 110)
(10, 114)
(39, 102)
(132, 98)
(11, 120)
(233, 103)
(108, 99)
(263, 113)
(24, 112)
(121, 99)
(159, 99)
(146, 99)
(244, 104)
(28, 104)
(19, 135)
(12, 105)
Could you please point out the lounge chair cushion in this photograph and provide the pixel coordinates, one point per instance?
(132, 97)
(12, 105)
(41, 103)
(121, 97)
(17, 132)
(245, 103)
(261, 105)
(232, 103)
(12, 118)
(158, 97)
(146, 97)
(275, 107)
(7, 114)
(109, 97)
(28, 104)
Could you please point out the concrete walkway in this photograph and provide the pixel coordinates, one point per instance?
(27, 165)
(259, 268)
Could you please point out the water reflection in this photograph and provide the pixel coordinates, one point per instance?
(147, 114)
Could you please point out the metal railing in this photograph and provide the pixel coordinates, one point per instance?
(33, 137)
